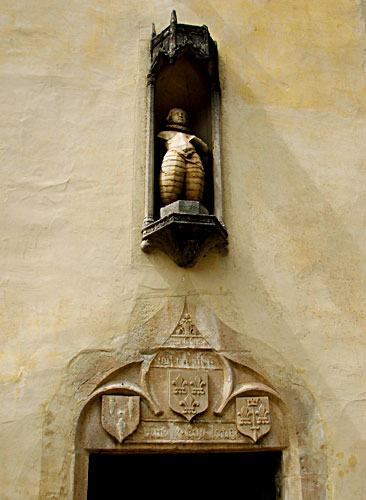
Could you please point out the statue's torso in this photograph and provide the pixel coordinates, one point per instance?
(177, 140)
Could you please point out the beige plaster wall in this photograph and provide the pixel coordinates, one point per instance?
(72, 186)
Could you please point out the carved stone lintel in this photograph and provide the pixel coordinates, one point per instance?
(189, 381)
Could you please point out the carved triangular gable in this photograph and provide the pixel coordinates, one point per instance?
(186, 335)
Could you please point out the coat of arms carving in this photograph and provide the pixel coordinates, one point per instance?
(120, 415)
(253, 416)
(184, 391)
(188, 392)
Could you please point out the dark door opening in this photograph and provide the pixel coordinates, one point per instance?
(249, 475)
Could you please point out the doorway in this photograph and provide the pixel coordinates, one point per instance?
(249, 475)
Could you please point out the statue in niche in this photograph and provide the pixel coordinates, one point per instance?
(183, 69)
(182, 175)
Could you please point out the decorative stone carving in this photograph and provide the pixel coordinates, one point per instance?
(188, 392)
(190, 222)
(253, 416)
(185, 391)
(236, 385)
(175, 39)
(120, 415)
(187, 335)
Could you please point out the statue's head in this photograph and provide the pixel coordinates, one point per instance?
(177, 116)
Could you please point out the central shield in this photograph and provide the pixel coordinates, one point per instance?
(188, 392)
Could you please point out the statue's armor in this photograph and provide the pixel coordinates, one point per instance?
(182, 175)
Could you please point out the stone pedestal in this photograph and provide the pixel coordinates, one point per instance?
(183, 207)
(185, 232)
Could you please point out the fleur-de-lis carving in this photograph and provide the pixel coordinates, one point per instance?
(189, 405)
(179, 385)
(263, 415)
(198, 385)
(188, 392)
(247, 416)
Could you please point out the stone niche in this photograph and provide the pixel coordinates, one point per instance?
(184, 74)
(186, 397)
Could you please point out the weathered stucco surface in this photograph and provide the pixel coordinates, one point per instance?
(74, 280)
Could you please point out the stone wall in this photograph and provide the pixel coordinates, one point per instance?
(76, 289)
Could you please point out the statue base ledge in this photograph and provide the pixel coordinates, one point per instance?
(183, 207)
(185, 237)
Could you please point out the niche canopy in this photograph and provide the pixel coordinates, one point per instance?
(183, 191)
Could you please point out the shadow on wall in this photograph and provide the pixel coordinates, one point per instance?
(299, 262)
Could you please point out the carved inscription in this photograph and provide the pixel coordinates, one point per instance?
(185, 359)
(219, 432)
(157, 432)
(188, 392)
(166, 432)
(182, 341)
(253, 416)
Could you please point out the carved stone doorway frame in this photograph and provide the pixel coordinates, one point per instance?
(186, 396)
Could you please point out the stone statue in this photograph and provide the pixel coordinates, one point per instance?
(182, 176)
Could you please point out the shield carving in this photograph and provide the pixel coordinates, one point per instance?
(188, 392)
(253, 417)
(120, 415)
